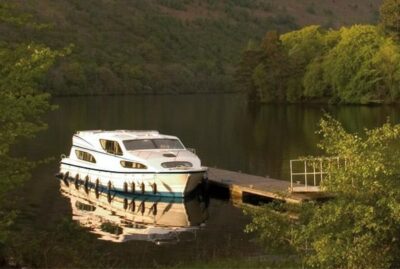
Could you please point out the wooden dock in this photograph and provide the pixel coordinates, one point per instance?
(241, 184)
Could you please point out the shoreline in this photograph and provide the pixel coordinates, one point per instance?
(254, 104)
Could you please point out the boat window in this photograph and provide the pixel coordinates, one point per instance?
(111, 146)
(85, 156)
(134, 165)
(163, 143)
(168, 144)
(177, 165)
(139, 144)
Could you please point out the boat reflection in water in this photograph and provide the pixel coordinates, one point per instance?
(119, 217)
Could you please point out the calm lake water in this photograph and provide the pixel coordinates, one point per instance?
(225, 132)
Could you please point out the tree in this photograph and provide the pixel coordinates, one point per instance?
(262, 70)
(357, 64)
(390, 17)
(359, 227)
(313, 80)
(264, 89)
(302, 47)
(249, 61)
(276, 61)
(305, 44)
(21, 108)
(22, 103)
(386, 63)
(348, 67)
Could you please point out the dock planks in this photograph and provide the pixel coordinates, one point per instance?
(240, 184)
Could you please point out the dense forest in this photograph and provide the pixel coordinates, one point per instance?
(359, 64)
(164, 46)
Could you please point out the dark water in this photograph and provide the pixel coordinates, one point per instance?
(226, 134)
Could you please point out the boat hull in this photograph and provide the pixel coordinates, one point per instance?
(164, 184)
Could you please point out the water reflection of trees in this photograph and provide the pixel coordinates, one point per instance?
(274, 134)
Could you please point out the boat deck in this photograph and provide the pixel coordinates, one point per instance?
(241, 184)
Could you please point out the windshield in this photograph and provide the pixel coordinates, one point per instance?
(153, 144)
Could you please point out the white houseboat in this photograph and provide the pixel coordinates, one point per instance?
(141, 162)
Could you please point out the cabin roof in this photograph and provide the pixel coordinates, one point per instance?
(119, 135)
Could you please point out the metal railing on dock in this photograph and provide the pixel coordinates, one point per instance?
(306, 175)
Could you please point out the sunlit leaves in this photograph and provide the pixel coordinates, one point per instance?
(305, 44)
(21, 102)
(357, 64)
(360, 227)
(347, 67)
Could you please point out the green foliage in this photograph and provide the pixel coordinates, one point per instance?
(304, 45)
(244, 75)
(358, 64)
(347, 67)
(22, 103)
(358, 228)
(262, 71)
(146, 46)
(390, 17)
(269, 76)
(21, 106)
(159, 38)
(9, 15)
(386, 62)
(314, 84)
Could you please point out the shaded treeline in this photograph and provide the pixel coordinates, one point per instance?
(159, 46)
(136, 47)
